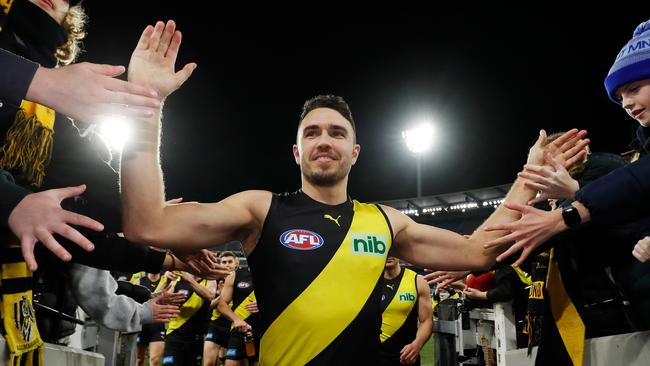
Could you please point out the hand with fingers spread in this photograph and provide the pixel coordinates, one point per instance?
(566, 149)
(86, 91)
(163, 313)
(530, 231)
(535, 226)
(444, 278)
(39, 215)
(154, 58)
(202, 263)
(642, 249)
(171, 298)
(551, 184)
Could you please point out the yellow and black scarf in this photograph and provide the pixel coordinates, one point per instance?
(535, 311)
(18, 318)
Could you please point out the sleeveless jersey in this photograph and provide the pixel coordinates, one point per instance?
(399, 318)
(192, 319)
(243, 294)
(317, 269)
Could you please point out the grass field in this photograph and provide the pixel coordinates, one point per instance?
(426, 354)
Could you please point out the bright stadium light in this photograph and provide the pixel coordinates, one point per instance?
(418, 140)
(116, 130)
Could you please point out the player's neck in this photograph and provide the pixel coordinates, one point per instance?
(331, 195)
(392, 272)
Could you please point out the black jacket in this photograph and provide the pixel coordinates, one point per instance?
(16, 73)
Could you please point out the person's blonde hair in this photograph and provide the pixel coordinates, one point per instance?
(74, 25)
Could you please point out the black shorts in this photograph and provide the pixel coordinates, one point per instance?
(151, 333)
(183, 351)
(237, 347)
(218, 334)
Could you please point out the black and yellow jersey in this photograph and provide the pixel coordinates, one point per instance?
(149, 284)
(399, 318)
(219, 319)
(243, 294)
(317, 269)
(192, 320)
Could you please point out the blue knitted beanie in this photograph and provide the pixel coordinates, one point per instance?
(632, 62)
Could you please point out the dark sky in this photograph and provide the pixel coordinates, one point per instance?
(493, 76)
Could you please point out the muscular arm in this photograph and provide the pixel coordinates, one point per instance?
(425, 313)
(430, 247)
(226, 297)
(410, 352)
(147, 218)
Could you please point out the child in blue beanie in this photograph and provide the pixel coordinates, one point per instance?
(628, 84)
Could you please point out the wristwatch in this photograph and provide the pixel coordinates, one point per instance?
(571, 216)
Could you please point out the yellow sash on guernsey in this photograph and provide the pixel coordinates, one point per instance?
(400, 306)
(189, 308)
(567, 318)
(18, 317)
(136, 276)
(316, 317)
(241, 310)
(216, 314)
(160, 285)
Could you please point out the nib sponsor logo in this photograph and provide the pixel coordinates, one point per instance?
(369, 244)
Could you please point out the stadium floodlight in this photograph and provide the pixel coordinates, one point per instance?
(419, 140)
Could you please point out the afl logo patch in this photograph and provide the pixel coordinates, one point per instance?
(301, 239)
(243, 284)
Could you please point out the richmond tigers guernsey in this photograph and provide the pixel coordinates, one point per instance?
(399, 326)
(242, 289)
(149, 284)
(317, 271)
(192, 319)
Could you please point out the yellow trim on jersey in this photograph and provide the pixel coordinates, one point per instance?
(317, 316)
(400, 306)
(189, 308)
(241, 310)
(216, 314)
